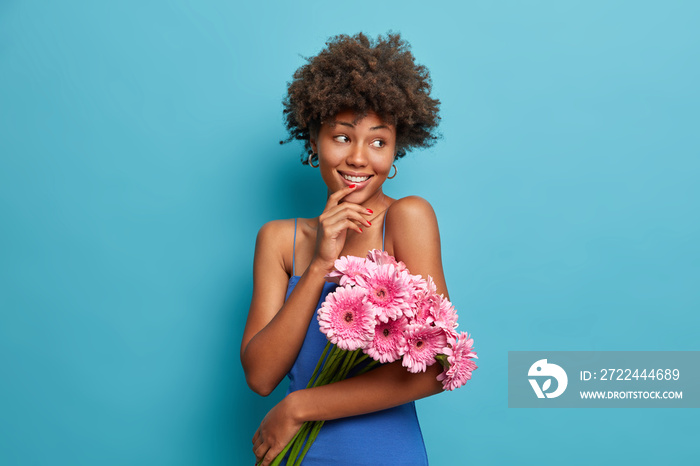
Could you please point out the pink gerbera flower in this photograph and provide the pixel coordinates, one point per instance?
(347, 268)
(388, 290)
(426, 298)
(459, 356)
(444, 314)
(380, 257)
(423, 343)
(347, 319)
(423, 285)
(389, 342)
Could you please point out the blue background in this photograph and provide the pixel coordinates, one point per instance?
(139, 156)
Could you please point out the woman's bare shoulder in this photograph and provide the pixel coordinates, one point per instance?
(275, 242)
(276, 228)
(410, 209)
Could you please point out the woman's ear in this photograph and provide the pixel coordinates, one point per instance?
(314, 129)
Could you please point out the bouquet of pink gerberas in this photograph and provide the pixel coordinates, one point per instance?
(381, 310)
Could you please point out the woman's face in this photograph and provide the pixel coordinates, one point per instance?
(355, 152)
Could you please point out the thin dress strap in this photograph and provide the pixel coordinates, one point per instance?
(384, 228)
(294, 246)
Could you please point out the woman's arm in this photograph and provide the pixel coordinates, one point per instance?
(382, 388)
(385, 387)
(413, 237)
(276, 328)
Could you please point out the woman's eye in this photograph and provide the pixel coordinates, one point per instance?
(378, 143)
(341, 138)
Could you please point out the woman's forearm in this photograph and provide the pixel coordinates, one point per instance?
(270, 354)
(382, 388)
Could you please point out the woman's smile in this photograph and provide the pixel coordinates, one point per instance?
(355, 178)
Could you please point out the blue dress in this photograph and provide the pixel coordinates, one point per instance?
(388, 437)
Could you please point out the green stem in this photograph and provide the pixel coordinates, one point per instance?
(318, 365)
(330, 369)
(299, 442)
(348, 364)
(314, 433)
(343, 368)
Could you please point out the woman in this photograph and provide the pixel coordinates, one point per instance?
(359, 105)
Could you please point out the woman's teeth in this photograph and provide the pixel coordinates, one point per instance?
(356, 179)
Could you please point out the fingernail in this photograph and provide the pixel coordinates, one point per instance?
(360, 230)
(370, 211)
(351, 186)
(370, 223)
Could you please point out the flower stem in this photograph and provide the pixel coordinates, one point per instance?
(348, 364)
(314, 433)
(319, 364)
(300, 440)
(343, 368)
(329, 369)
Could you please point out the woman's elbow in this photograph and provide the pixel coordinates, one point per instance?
(260, 389)
(258, 383)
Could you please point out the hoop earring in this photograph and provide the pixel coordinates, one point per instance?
(311, 158)
(396, 172)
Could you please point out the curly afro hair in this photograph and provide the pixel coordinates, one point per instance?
(361, 74)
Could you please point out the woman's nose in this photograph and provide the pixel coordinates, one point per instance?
(358, 156)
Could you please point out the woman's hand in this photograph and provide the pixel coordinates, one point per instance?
(337, 218)
(276, 430)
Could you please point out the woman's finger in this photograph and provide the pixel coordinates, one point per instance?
(257, 441)
(336, 225)
(348, 212)
(270, 456)
(346, 206)
(337, 196)
(348, 224)
(260, 451)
